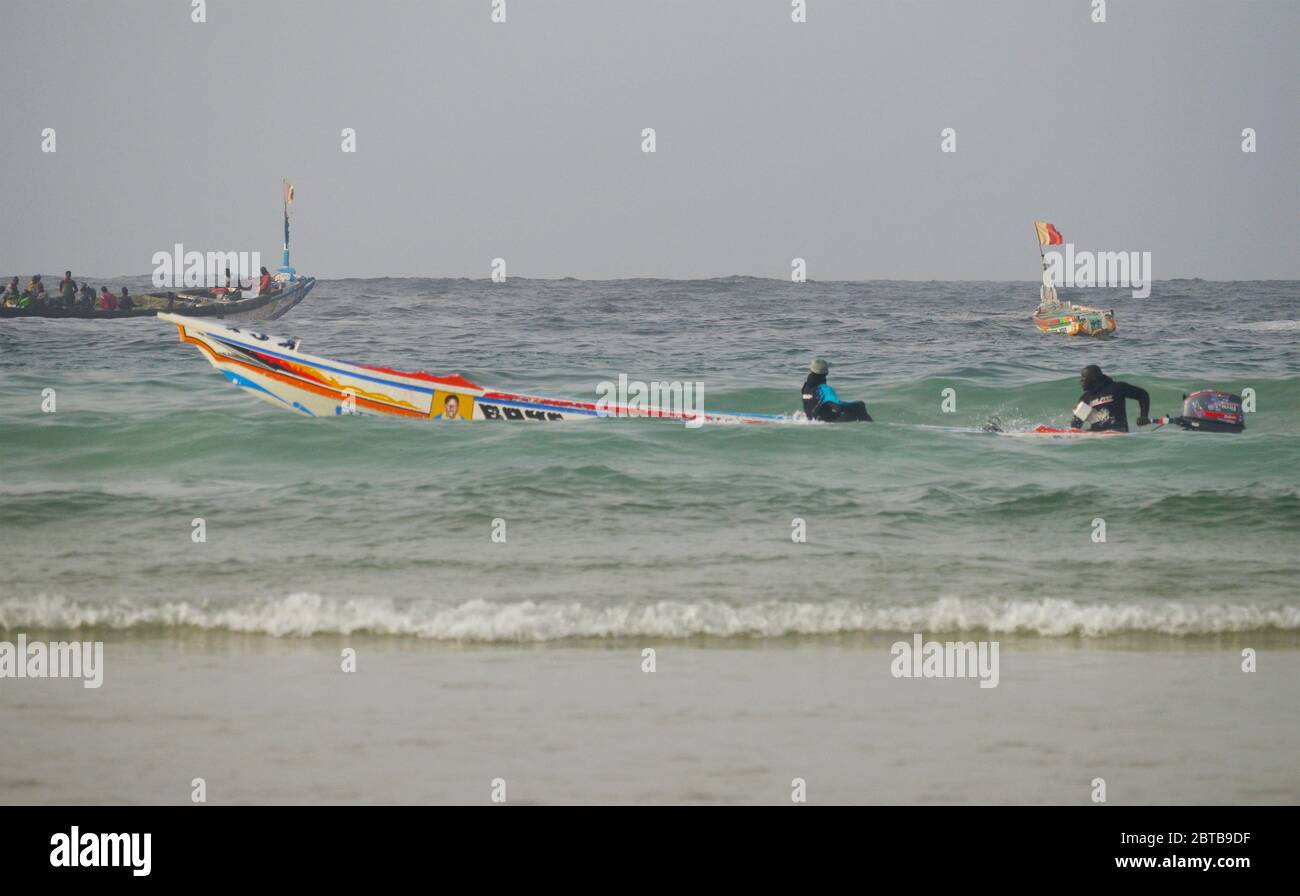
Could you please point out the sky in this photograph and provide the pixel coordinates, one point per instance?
(522, 140)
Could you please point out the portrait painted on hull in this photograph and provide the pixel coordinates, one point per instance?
(452, 406)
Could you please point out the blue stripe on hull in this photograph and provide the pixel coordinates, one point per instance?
(244, 382)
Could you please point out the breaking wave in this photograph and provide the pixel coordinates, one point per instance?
(304, 614)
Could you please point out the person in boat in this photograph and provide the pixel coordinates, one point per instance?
(107, 301)
(11, 294)
(231, 291)
(18, 297)
(266, 284)
(124, 301)
(68, 291)
(1101, 406)
(821, 403)
(35, 293)
(86, 298)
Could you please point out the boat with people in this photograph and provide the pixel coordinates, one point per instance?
(232, 305)
(277, 371)
(269, 298)
(1055, 316)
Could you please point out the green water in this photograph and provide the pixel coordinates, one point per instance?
(619, 528)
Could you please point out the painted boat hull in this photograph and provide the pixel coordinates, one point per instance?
(272, 306)
(1077, 320)
(274, 370)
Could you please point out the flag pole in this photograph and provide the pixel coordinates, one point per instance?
(1042, 261)
(284, 258)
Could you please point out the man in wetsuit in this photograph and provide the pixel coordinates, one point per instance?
(1101, 407)
(821, 403)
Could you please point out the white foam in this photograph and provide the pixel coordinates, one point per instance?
(304, 614)
(1269, 326)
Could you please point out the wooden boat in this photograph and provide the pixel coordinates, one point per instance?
(191, 303)
(276, 371)
(237, 306)
(1054, 316)
(1074, 320)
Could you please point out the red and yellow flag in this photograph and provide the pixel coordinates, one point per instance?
(1047, 234)
(288, 194)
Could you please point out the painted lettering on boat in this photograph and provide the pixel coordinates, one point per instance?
(492, 412)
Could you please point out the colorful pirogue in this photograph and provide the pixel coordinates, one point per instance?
(274, 370)
(1055, 316)
(233, 304)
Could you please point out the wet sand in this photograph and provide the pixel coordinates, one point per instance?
(273, 721)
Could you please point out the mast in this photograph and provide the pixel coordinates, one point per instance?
(1046, 291)
(287, 195)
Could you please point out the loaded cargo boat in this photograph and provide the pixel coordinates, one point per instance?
(1074, 320)
(1055, 316)
(285, 291)
(232, 305)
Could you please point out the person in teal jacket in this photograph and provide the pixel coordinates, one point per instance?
(820, 401)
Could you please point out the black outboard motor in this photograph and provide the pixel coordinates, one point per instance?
(1210, 411)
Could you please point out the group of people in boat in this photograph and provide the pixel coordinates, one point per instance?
(1101, 407)
(69, 297)
(81, 298)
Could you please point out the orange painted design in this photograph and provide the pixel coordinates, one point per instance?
(361, 401)
(309, 372)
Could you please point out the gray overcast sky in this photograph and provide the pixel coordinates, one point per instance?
(775, 140)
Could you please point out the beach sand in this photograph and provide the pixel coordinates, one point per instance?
(272, 721)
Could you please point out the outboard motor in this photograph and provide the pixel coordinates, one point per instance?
(1210, 411)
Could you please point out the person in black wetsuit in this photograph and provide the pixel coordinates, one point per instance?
(821, 403)
(1101, 407)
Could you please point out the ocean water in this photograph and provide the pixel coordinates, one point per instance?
(523, 661)
(630, 529)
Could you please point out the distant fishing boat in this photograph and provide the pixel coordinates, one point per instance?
(1054, 316)
(233, 306)
(236, 305)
